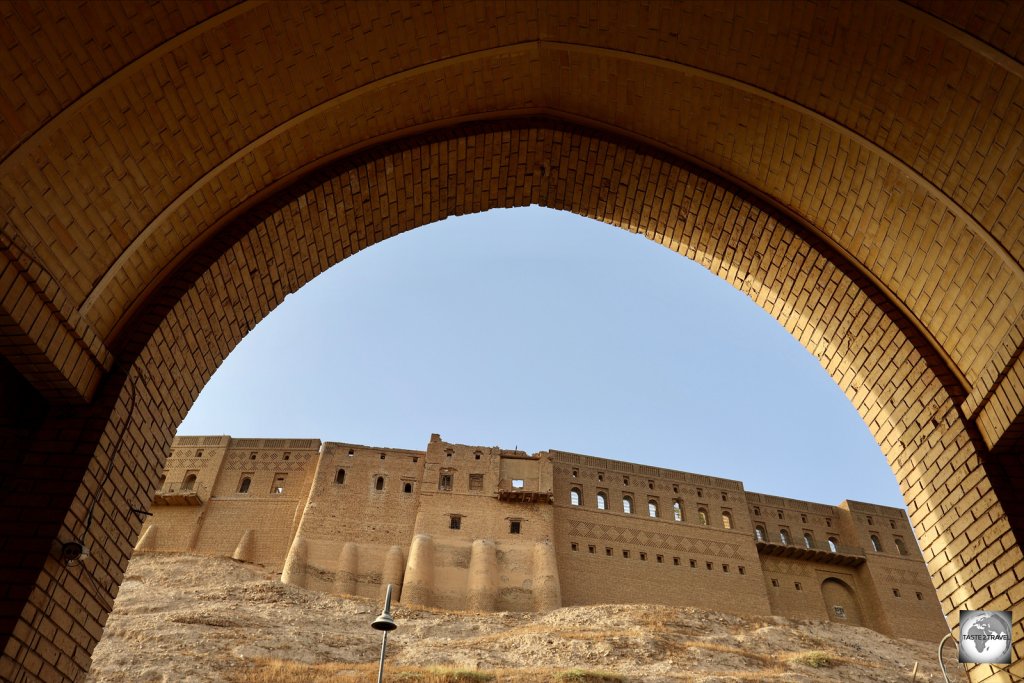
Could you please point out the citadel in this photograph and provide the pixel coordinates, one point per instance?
(484, 528)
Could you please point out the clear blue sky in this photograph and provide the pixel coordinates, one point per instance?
(541, 329)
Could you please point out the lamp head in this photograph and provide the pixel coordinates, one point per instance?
(384, 622)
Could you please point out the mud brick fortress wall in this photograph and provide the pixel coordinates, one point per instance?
(459, 526)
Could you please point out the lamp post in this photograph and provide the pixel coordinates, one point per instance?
(385, 622)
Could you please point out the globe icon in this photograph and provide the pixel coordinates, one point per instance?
(985, 638)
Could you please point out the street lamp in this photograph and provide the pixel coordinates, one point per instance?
(385, 622)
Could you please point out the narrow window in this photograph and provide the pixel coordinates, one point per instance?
(574, 547)
(660, 558)
(602, 501)
(892, 524)
(189, 482)
(757, 511)
(351, 452)
(627, 505)
(625, 554)
(900, 546)
(742, 570)
(476, 482)
(454, 522)
(775, 583)
(339, 478)
(575, 497)
(677, 511)
(803, 519)
(650, 485)
(725, 568)
(710, 566)
(700, 493)
(808, 541)
(702, 514)
(896, 592)
(833, 546)
(675, 561)
(515, 526)
(828, 523)
(407, 488)
(379, 484)
(199, 453)
(781, 514)
(476, 455)
(643, 557)
(625, 481)
(726, 520)
(796, 584)
(591, 549)
(243, 486)
(288, 456)
(760, 534)
(608, 552)
(600, 476)
(449, 453)
(444, 483)
(725, 496)
(278, 487)
(784, 536)
(381, 457)
(693, 564)
(675, 488)
(870, 521)
(876, 544)
(652, 508)
(575, 473)
(252, 456)
(920, 595)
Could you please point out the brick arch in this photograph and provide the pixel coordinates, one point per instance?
(876, 144)
(878, 357)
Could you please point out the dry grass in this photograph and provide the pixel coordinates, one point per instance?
(280, 671)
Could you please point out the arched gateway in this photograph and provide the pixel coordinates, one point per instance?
(169, 173)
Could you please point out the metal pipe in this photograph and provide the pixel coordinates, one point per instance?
(383, 647)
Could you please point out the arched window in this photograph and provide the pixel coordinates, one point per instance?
(876, 544)
(243, 486)
(808, 541)
(627, 505)
(575, 497)
(652, 508)
(602, 501)
(407, 488)
(702, 514)
(677, 511)
(833, 545)
(340, 477)
(379, 485)
(900, 546)
(189, 483)
(760, 534)
(784, 536)
(726, 520)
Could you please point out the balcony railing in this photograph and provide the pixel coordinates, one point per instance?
(181, 493)
(814, 550)
(520, 491)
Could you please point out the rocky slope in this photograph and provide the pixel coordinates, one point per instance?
(183, 618)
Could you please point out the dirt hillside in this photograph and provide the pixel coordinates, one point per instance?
(182, 618)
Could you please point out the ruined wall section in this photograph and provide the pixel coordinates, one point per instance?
(483, 531)
(358, 522)
(686, 539)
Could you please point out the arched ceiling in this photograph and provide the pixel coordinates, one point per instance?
(133, 132)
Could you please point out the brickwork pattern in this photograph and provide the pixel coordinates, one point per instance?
(149, 185)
